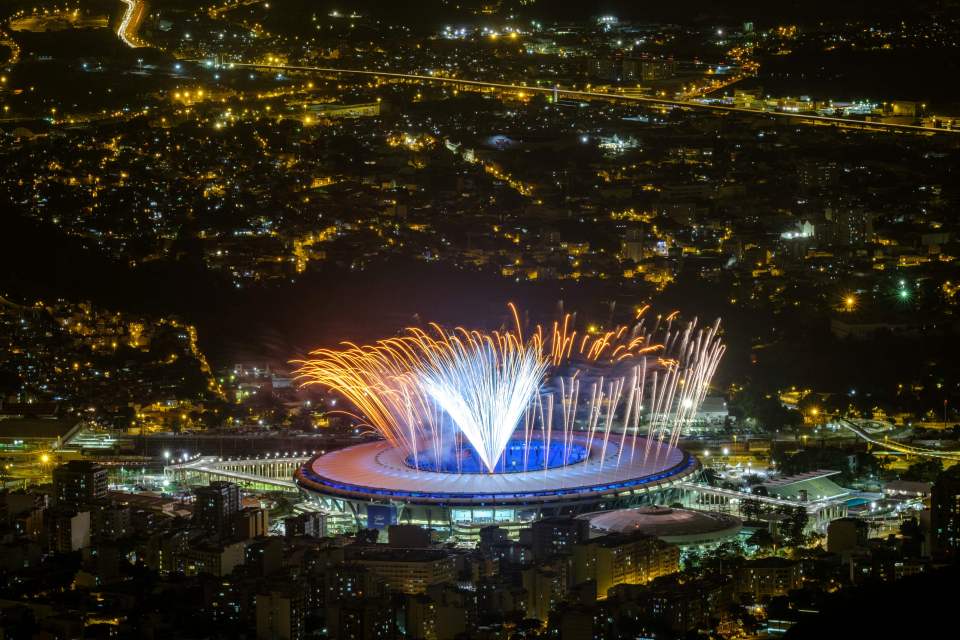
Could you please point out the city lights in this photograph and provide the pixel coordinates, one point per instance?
(256, 349)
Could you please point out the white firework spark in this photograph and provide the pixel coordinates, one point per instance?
(426, 392)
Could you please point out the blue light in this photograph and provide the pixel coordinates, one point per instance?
(306, 474)
(513, 459)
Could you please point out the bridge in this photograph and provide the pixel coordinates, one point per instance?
(893, 445)
(264, 473)
(585, 94)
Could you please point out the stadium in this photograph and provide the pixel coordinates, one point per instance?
(482, 429)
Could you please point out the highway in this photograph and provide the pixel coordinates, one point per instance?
(601, 95)
(130, 23)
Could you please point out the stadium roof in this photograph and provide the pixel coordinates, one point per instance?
(37, 429)
(679, 526)
(376, 470)
(817, 485)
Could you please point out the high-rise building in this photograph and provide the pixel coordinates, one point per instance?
(945, 513)
(769, 577)
(264, 557)
(357, 606)
(420, 616)
(212, 558)
(67, 530)
(491, 536)
(249, 523)
(545, 587)
(79, 482)
(280, 615)
(623, 558)
(311, 524)
(215, 507)
(408, 571)
(557, 536)
(846, 534)
(409, 536)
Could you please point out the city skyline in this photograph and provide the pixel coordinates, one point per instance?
(478, 319)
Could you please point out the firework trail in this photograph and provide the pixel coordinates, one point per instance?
(428, 391)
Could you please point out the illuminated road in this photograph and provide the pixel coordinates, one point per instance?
(127, 31)
(11, 44)
(896, 446)
(599, 95)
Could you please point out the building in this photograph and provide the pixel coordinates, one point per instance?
(280, 615)
(29, 433)
(408, 571)
(67, 530)
(393, 492)
(356, 605)
(215, 506)
(545, 588)
(945, 513)
(109, 521)
(420, 617)
(78, 482)
(312, 524)
(492, 536)
(769, 577)
(215, 559)
(409, 536)
(846, 534)
(249, 523)
(804, 487)
(557, 536)
(683, 605)
(907, 489)
(623, 558)
(683, 527)
(455, 609)
(711, 415)
(264, 557)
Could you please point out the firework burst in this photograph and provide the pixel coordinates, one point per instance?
(436, 393)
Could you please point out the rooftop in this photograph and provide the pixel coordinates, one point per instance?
(679, 526)
(37, 428)
(817, 485)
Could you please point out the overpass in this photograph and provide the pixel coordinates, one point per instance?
(264, 473)
(893, 445)
(584, 94)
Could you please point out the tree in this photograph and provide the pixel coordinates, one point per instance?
(750, 509)
(796, 525)
(761, 539)
(924, 471)
(710, 476)
(367, 536)
(771, 413)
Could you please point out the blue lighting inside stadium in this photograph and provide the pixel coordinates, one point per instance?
(518, 456)
(663, 476)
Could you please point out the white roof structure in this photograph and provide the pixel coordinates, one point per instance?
(678, 526)
(377, 471)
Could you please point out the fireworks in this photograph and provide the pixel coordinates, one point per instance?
(439, 395)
